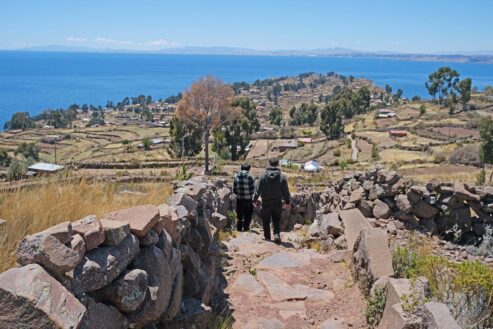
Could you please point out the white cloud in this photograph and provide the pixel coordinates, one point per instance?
(136, 45)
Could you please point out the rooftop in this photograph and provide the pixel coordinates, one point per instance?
(42, 166)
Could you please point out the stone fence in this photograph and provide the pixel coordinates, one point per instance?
(146, 266)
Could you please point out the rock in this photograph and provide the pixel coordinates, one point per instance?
(398, 188)
(338, 284)
(314, 230)
(429, 224)
(314, 294)
(101, 266)
(181, 199)
(341, 242)
(388, 177)
(331, 324)
(194, 314)
(413, 197)
(376, 192)
(263, 323)
(141, 218)
(62, 232)
(437, 316)
(278, 289)
(381, 210)
(224, 195)
(219, 221)
(165, 243)
(366, 208)
(91, 230)
(282, 260)
(101, 316)
(78, 245)
(170, 218)
(153, 261)
(367, 185)
(193, 189)
(338, 256)
(403, 204)
(176, 293)
(424, 210)
(462, 194)
(356, 195)
(151, 238)
(330, 224)
(289, 309)
(433, 185)
(247, 284)
(31, 298)
(443, 189)
(114, 231)
(380, 284)
(127, 292)
(372, 256)
(48, 252)
(354, 223)
(195, 240)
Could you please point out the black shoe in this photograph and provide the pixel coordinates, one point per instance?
(277, 238)
(267, 238)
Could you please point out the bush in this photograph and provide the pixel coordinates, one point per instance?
(422, 109)
(375, 307)
(337, 153)
(183, 174)
(374, 152)
(467, 154)
(16, 170)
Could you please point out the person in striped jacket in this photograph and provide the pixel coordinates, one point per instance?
(243, 188)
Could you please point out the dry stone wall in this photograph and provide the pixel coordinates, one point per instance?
(146, 266)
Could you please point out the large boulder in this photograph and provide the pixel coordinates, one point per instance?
(424, 210)
(354, 222)
(224, 201)
(403, 204)
(127, 292)
(154, 262)
(198, 274)
(47, 251)
(185, 206)
(463, 194)
(394, 317)
(91, 230)
(31, 298)
(437, 316)
(170, 218)
(366, 208)
(194, 314)
(372, 256)
(219, 221)
(381, 210)
(141, 218)
(101, 266)
(114, 231)
(330, 224)
(176, 268)
(62, 232)
(101, 316)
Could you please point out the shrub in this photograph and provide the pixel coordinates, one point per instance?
(375, 307)
(183, 174)
(16, 170)
(467, 154)
(337, 153)
(422, 109)
(374, 152)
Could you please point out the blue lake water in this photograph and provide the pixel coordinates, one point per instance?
(34, 81)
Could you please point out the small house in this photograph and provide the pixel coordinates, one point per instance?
(45, 168)
(283, 146)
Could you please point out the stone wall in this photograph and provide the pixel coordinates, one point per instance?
(146, 266)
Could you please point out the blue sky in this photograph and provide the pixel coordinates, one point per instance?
(424, 26)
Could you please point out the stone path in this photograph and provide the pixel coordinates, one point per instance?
(285, 286)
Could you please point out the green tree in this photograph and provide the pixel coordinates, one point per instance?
(305, 114)
(464, 90)
(186, 138)
(4, 158)
(275, 117)
(28, 150)
(486, 133)
(331, 120)
(19, 120)
(442, 82)
(147, 143)
(16, 170)
(422, 109)
(388, 89)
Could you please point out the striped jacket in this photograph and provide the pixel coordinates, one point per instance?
(243, 185)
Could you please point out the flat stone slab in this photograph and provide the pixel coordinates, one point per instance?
(278, 289)
(248, 244)
(289, 309)
(284, 260)
(331, 324)
(141, 218)
(263, 323)
(247, 284)
(314, 294)
(354, 222)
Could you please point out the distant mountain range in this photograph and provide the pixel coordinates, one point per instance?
(484, 56)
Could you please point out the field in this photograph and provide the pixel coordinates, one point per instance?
(31, 210)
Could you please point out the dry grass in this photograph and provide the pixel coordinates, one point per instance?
(28, 211)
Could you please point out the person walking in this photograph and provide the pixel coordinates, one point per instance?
(272, 188)
(243, 188)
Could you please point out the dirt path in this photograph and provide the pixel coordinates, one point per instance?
(285, 286)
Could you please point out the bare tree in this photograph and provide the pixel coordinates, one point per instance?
(207, 104)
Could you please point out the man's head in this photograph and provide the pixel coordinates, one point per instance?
(245, 166)
(273, 162)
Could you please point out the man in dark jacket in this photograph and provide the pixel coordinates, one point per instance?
(273, 188)
(243, 188)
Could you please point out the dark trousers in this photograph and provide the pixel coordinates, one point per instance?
(271, 212)
(244, 211)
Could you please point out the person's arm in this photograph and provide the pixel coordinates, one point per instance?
(258, 189)
(235, 185)
(285, 190)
